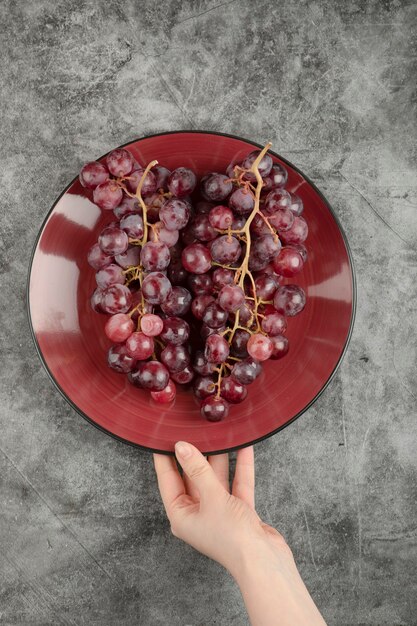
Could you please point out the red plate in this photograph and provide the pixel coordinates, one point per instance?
(71, 343)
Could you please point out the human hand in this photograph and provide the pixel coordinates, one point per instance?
(219, 522)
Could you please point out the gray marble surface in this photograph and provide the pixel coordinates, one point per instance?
(83, 538)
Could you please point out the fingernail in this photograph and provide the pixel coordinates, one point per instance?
(183, 450)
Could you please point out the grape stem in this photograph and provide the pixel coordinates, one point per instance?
(243, 271)
(138, 194)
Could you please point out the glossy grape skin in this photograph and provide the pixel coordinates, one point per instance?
(178, 302)
(185, 376)
(162, 234)
(264, 166)
(175, 331)
(277, 177)
(201, 366)
(281, 220)
(246, 313)
(174, 214)
(129, 258)
(199, 305)
(266, 247)
(297, 233)
(200, 284)
(277, 199)
(176, 273)
(113, 241)
(206, 331)
(116, 299)
(202, 228)
(214, 409)
(274, 324)
(161, 174)
(239, 222)
(119, 162)
(153, 375)
(232, 391)
(196, 258)
(231, 298)
(148, 186)
(256, 262)
(140, 346)
(214, 316)
(259, 347)
(167, 395)
(153, 203)
(225, 250)
(297, 206)
(151, 325)
(288, 262)
(133, 378)
(221, 217)
(110, 275)
(119, 359)
(175, 358)
(289, 300)
(242, 201)
(245, 372)
(119, 328)
(239, 343)
(155, 256)
(217, 349)
(181, 182)
(132, 224)
(266, 285)
(221, 277)
(127, 206)
(301, 249)
(280, 347)
(93, 174)
(203, 387)
(156, 288)
(259, 227)
(216, 187)
(95, 301)
(107, 195)
(97, 258)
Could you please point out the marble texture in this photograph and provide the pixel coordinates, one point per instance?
(83, 538)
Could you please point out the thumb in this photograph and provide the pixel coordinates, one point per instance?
(197, 468)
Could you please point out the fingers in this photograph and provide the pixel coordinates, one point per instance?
(170, 483)
(197, 469)
(220, 465)
(190, 488)
(244, 481)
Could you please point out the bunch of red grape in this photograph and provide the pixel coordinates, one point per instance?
(191, 276)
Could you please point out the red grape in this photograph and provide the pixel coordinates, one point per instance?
(116, 299)
(127, 206)
(266, 285)
(148, 185)
(175, 331)
(119, 327)
(155, 256)
(178, 303)
(200, 304)
(119, 359)
(300, 249)
(245, 372)
(153, 375)
(151, 325)
(93, 174)
(132, 224)
(177, 274)
(119, 162)
(282, 219)
(232, 391)
(239, 343)
(214, 316)
(161, 174)
(264, 166)
(276, 199)
(202, 228)
(221, 217)
(167, 394)
(201, 366)
(298, 231)
(185, 376)
(259, 347)
(242, 201)
(231, 298)
(196, 258)
(221, 277)
(225, 250)
(203, 207)
(289, 300)
(156, 288)
(277, 177)
(204, 387)
(288, 262)
(107, 195)
(200, 284)
(113, 241)
(182, 182)
(174, 214)
(216, 187)
(280, 347)
(140, 346)
(95, 301)
(97, 258)
(217, 349)
(274, 324)
(214, 409)
(110, 275)
(130, 258)
(296, 204)
(175, 358)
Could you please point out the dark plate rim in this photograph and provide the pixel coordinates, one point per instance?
(246, 444)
